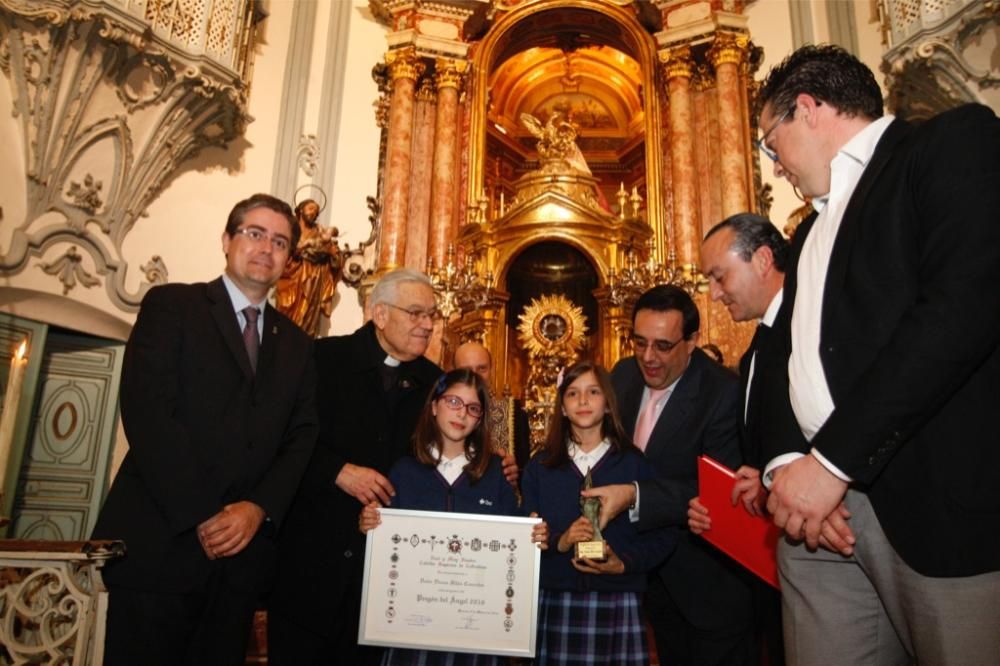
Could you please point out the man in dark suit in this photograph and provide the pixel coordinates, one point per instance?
(372, 386)
(893, 348)
(679, 404)
(217, 403)
(744, 258)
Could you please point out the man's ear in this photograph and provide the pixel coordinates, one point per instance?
(762, 260)
(380, 313)
(808, 106)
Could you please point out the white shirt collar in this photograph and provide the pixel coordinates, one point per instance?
(587, 460)
(859, 149)
(237, 297)
(772, 309)
(450, 468)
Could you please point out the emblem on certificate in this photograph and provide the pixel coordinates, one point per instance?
(590, 507)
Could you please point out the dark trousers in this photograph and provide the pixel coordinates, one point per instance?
(291, 644)
(768, 638)
(681, 643)
(209, 626)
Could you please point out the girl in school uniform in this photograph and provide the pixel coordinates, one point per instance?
(450, 468)
(590, 611)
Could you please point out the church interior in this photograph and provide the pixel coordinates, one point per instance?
(544, 161)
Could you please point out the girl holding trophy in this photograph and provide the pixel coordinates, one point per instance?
(592, 578)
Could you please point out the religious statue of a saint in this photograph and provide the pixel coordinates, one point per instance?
(309, 283)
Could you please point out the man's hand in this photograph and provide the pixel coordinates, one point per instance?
(580, 530)
(611, 565)
(614, 499)
(228, 532)
(365, 484)
(698, 520)
(748, 490)
(836, 534)
(803, 495)
(510, 471)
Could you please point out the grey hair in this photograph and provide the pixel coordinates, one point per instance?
(387, 288)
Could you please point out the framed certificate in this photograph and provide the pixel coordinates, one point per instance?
(457, 582)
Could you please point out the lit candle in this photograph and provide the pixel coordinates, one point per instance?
(11, 399)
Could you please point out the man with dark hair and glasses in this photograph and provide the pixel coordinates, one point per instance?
(372, 386)
(217, 401)
(677, 404)
(890, 364)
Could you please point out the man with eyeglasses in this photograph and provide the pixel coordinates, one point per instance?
(372, 386)
(217, 402)
(891, 359)
(677, 403)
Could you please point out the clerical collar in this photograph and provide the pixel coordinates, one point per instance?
(391, 361)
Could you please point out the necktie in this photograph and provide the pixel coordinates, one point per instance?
(250, 337)
(647, 419)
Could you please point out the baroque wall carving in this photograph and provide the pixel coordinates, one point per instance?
(941, 56)
(111, 101)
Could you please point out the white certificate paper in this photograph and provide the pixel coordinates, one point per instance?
(457, 582)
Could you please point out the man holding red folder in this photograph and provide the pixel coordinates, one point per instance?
(744, 259)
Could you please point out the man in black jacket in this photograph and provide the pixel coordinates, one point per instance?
(372, 386)
(744, 258)
(217, 403)
(893, 364)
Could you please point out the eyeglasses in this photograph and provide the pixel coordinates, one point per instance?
(416, 314)
(259, 236)
(455, 404)
(762, 142)
(641, 344)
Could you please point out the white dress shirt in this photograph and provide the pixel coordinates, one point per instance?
(584, 460)
(808, 390)
(450, 468)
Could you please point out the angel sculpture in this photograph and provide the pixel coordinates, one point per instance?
(556, 141)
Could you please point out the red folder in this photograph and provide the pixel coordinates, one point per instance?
(750, 540)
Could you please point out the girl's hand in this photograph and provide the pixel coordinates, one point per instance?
(612, 565)
(580, 530)
(370, 518)
(698, 519)
(540, 533)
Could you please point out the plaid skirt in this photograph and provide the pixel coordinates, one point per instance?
(591, 629)
(405, 657)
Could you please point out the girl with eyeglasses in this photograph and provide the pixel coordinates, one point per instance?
(451, 468)
(589, 610)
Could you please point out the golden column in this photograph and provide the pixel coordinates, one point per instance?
(448, 77)
(404, 70)
(728, 57)
(678, 68)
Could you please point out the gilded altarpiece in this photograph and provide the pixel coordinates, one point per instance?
(659, 95)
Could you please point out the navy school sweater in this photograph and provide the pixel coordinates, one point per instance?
(555, 494)
(420, 487)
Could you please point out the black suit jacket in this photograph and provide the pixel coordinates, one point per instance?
(910, 341)
(321, 548)
(701, 417)
(203, 432)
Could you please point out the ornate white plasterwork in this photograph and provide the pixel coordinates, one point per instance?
(111, 101)
(929, 70)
